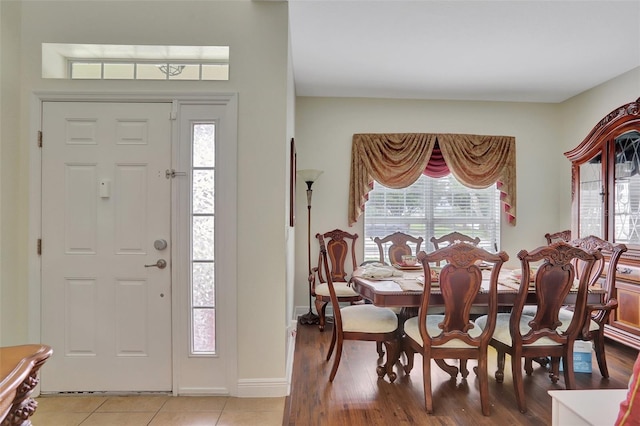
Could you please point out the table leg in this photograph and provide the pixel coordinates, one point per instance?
(393, 354)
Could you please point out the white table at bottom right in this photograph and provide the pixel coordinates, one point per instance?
(594, 407)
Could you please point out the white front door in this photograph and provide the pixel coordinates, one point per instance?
(106, 211)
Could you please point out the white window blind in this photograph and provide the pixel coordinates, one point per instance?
(432, 207)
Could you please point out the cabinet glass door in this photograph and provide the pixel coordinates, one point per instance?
(627, 188)
(591, 198)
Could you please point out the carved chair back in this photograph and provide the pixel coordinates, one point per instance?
(611, 255)
(460, 282)
(340, 248)
(399, 246)
(553, 281)
(453, 237)
(558, 236)
(325, 270)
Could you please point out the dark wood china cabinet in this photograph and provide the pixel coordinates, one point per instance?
(605, 181)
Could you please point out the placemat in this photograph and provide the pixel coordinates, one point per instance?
(409, 284)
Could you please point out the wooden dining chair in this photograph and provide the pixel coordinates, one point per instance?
(558, 236)
(397, 245)
(453, 237)
(360, 322)
(522, 336)
(340, 247)
(453, 335)
(596, 315)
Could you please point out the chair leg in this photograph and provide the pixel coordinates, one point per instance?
(464, 371)
(600, 355)
(336, 360)
(528, 366)
(554, 369)
(483, 379)
(333, 343)
(426, 379)
(379, 349)
(321, 308)
(569, 377)
(518, 383)
(500, 370)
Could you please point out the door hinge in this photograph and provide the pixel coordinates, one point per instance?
(39, 138)
(39, 246)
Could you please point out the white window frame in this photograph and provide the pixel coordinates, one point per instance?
(168, 76)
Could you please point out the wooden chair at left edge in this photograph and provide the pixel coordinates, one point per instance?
(340, 246)
(360, 322)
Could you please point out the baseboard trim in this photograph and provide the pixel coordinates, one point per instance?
(189, 391)
(262, 388)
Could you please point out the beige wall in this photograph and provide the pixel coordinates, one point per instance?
(257, 35)
(582, 112)
(289, 314)
(543, 132)
(13, 297)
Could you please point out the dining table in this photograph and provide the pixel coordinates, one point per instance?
(404, 288)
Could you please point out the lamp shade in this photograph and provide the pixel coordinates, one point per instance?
(309, 175)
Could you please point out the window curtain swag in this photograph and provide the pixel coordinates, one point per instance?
(396, 160)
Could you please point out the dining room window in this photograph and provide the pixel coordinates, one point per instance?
(432, 207)
(203, 289)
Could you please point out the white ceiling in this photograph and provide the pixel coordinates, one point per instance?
(525, 51)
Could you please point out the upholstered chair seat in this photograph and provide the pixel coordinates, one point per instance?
(412, 330)
(368, 319)
(343, 289)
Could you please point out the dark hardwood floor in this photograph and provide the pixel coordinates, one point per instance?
(358, 397)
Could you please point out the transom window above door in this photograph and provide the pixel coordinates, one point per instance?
(130, 62)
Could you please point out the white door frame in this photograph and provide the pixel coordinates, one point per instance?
(230, 238)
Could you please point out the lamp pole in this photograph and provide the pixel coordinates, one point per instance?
(309, 176)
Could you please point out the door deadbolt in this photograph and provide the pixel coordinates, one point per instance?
(160, 264)
(160, 244)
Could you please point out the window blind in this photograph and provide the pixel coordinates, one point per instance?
(432, 207)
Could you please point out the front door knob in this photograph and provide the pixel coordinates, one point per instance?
(161, 264)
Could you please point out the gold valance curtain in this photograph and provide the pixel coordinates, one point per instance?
(396, 160)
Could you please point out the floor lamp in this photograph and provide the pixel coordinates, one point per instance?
(309, 176)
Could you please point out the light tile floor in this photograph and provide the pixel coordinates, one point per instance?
(157, 410)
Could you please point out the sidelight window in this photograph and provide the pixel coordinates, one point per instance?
(203, 289)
